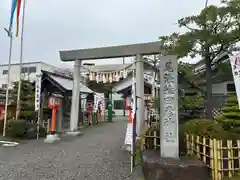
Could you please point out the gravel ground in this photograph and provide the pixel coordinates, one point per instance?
(96, 155)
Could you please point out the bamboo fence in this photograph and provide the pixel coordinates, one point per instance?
(221, 157)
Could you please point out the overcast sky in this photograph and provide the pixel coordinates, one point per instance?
(53, 25)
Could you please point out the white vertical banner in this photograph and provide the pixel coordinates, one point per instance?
(38, 83)
(99, 99)
(129, 130)
(235, 64)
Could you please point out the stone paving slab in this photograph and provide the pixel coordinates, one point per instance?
(95, 155)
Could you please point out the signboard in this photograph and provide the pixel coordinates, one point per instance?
(169, 107)
(99, 100)
(38, 83)
(51, 101)
(128, 136)
(235, 63)
(89, 106)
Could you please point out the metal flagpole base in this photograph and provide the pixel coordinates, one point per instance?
(51, 138)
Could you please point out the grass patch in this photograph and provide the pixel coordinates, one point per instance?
(8, 139)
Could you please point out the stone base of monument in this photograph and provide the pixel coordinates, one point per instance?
(157, 168)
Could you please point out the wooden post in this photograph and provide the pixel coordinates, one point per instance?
(204, 150)
(198, 147)
(215, 158)
(230, 158)
(220, 159)
(211, 145)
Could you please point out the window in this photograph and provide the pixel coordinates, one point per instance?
(32, 69)
(5, 72)
(4, 86)
(231, 88)
(25, 70)
(118, 104)
(29, 69)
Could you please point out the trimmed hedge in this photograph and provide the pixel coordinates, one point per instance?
(230, 117)
(16, 128)
(22, 130)
(205, 127)
(31, 131)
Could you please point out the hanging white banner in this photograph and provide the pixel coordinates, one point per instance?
(235, 63)
(38, 83)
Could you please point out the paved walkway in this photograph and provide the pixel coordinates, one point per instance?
(96, 155)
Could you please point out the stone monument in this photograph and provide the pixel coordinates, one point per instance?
(168, 165)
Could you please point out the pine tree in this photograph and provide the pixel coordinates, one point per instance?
(230, 117)
(213, 31)
(27, 97)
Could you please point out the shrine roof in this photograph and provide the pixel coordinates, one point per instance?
(66, 83)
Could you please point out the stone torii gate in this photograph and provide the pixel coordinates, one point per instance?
(169, 126)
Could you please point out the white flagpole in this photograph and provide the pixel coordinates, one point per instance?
(8, 82)
(21, 59)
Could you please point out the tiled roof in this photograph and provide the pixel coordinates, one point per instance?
(68, 84)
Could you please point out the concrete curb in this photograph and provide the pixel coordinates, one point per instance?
(9, 143)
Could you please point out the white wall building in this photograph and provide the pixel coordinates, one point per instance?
(29, 71)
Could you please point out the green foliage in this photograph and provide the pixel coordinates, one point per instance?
(235, 177)
(204, 127)
(16, 128)
(187, 72)
(230, 117)
(191, 102)
(31, 131)
(27, 99)
(214, 30)
(21, 129)
(190, 105)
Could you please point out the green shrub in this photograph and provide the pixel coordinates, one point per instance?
(202, 127)
(16, 128)
(21, 129)
(206, 128)
(182, 141)
(236, 177)
(31, 131)
(230, 117)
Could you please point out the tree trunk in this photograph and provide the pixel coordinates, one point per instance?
(208, 95)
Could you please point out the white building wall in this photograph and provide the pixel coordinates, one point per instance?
(221, 88)
(115, 96)
(15, 71)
